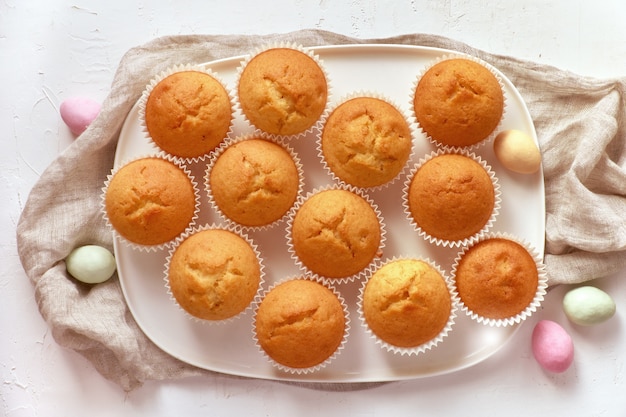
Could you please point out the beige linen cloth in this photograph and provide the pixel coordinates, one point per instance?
(580, 123)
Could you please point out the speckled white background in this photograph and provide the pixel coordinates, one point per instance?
(51, 50)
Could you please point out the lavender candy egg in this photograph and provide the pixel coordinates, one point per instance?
(552, 346)
(78, 113)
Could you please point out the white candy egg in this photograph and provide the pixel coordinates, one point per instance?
(91, 264)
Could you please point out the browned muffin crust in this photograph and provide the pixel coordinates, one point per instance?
(300, 323)
(497, 278)
(336, 233)
(458, 102)
(214, 274)
(150, 201)
(254, 182)
(282, 91)
(188, 114)
(451, 197)
(406, 303)
(366, 141)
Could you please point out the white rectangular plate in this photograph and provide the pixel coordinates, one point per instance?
(388, 70)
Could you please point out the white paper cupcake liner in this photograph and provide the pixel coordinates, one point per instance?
(241, 138)
(330, 359)
(365, 272)
(470, 239)
(431, 344)
(542, 284)
(369, 94)
(235, 230)
(283, 45)
(164, 245)
(489, 138)
(160, 77)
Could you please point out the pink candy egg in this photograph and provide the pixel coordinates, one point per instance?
(552, 346)
(78, 113)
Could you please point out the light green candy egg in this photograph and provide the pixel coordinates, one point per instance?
(90, 264)
(588, 306)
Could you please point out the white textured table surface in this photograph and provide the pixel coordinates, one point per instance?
(53, 50)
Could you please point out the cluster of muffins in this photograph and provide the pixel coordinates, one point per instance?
(335, 234)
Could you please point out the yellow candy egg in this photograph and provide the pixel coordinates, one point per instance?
(517, 151)
(90, 264)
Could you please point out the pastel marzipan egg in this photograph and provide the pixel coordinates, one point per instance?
(90, 264)
(78, 113)
(552, 346)
(517, 152)
(588, 305)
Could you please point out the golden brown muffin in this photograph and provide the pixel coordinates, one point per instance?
(366, 142)
(451, 197)
(406, 303)
(214, 274)
(336, 233)
(300, 323)
(282, 91)
(150, 201)
(497, 278)
(188, 114)
(458, 102)
(254, 182)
